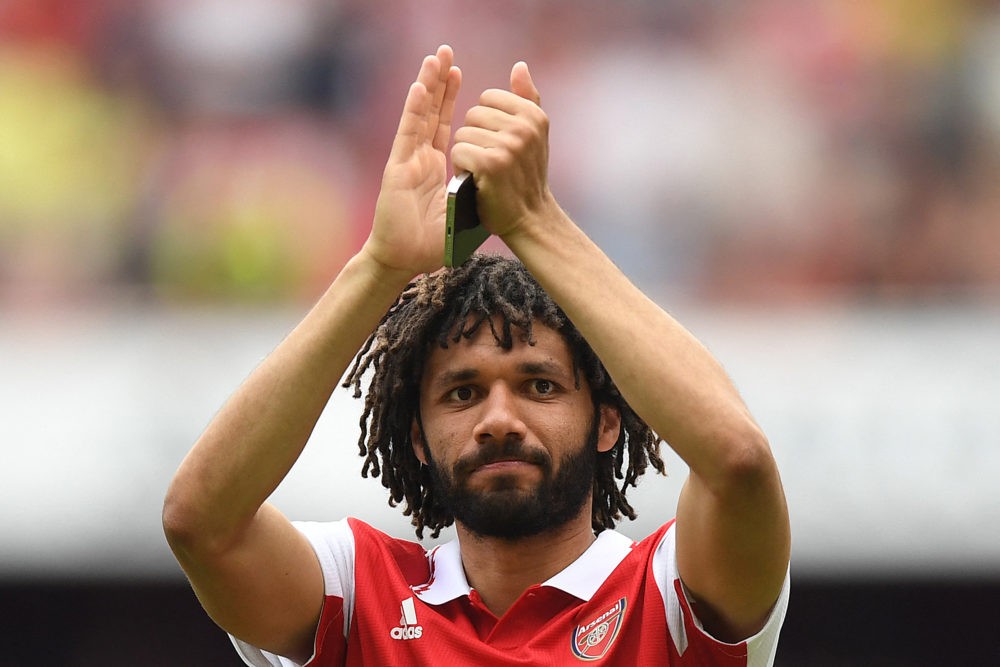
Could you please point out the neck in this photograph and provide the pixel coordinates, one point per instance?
(500, 570)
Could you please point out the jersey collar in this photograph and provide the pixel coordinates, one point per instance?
(580, 579)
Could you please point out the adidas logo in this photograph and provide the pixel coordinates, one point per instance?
(407, 628)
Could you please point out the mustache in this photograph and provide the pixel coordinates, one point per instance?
(509, 449)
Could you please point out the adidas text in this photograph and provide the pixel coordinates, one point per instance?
(407, 632)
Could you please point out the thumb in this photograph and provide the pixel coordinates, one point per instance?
(521, 83)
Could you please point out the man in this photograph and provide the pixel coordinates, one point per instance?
(505, 397)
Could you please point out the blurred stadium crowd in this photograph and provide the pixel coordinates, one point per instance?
(735, 149)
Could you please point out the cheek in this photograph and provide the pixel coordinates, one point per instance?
(444, 439)
(567, 431)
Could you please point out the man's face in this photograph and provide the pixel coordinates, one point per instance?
(510, 439)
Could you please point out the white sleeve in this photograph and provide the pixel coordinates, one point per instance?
(761, 647)
(333, 543)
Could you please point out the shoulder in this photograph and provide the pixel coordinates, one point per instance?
(684, 626)
(344, 546)
(351, 534)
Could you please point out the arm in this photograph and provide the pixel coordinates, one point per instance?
(256, 576)
(732, 523)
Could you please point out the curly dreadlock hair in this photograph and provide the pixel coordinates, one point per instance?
(441, 309)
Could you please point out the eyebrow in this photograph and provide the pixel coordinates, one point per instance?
(461, 375)
(455, 377)
(540, 368)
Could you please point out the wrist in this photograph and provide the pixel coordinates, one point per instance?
(368, 263)
(537, 223)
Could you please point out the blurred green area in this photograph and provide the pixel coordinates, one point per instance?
(70, 157)
(95, 190)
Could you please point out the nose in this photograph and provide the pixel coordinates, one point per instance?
(499, 417)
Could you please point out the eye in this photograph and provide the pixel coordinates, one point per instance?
(542, 387)
(460, 394)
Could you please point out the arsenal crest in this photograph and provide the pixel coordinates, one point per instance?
(592, 640)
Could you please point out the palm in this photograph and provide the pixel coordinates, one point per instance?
(411, 211)
(408, 231)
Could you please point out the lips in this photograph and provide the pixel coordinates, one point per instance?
(501, 456)
(503, 464)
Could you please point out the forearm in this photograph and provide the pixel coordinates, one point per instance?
(667, 376)
(256, 437)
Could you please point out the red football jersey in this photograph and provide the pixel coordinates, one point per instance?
(389, 602)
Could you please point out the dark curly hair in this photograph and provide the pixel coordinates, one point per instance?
(443, 308)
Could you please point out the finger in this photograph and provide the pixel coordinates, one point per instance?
(437, 80)
(430, 68)
(452, 85)
(412, 123)
(488, 117)
(478, 136)
(446, 58)
(521, 83)
(506, 101)
(429, 75)
(446, 55)
(468, 157)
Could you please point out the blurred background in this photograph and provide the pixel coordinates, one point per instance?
(810, 185)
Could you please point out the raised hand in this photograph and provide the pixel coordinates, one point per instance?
(504, 143)
(408, 231)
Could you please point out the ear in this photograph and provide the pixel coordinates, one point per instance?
(417, 441)
(609, 428)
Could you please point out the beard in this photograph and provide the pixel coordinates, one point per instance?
(507, 511)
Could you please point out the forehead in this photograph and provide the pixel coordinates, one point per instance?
(548, 347)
